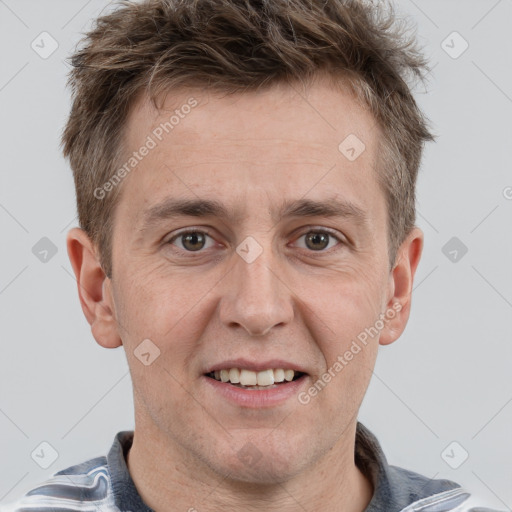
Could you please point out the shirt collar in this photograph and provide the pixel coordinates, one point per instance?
(393, 488)
(126, 495)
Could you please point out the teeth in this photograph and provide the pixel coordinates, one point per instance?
(265, 378)
(234, 375)
(250, 378)
(279, 375)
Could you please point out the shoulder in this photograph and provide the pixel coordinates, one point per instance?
(84, 486)
(434, 495)
(398, 489)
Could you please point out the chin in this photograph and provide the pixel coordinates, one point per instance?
(260, 463)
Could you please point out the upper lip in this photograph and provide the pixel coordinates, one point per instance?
(256, 366)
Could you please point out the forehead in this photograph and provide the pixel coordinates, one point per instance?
(319, 113)
(253, 148)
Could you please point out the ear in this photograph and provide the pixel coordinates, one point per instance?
(94, 288)
(401, 280)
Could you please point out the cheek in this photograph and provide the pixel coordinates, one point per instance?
(346, 334)
(168, 314)
(350, 302)
(154, 303)
(171, 310)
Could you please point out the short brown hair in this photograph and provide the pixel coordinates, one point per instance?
(235, 46)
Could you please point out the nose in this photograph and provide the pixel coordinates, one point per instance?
(256, 297)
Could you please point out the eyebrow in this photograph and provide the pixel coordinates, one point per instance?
(171, 208)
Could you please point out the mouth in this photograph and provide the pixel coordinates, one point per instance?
(255, 380)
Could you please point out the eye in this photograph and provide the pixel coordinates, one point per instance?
(319, 240)
(191, 241)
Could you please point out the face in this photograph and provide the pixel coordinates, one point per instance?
(278, 261)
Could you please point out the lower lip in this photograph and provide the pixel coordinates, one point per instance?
(257, 398)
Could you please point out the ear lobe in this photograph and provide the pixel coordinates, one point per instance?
(94, 289)
(401, 278)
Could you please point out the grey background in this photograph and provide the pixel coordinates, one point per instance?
(447, 379)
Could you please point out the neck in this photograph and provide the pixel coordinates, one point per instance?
(333, 483)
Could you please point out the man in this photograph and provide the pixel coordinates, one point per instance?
(214, 144)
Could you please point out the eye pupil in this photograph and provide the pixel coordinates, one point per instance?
(315, 238)
(193, 239)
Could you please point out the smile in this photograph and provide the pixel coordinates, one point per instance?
(249, 379)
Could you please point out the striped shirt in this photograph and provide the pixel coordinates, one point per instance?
(103, 484)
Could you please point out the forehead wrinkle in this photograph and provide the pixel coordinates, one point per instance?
(194, 207)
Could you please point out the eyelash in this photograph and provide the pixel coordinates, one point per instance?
(208, 233)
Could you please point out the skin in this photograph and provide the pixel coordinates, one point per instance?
(251, 151)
